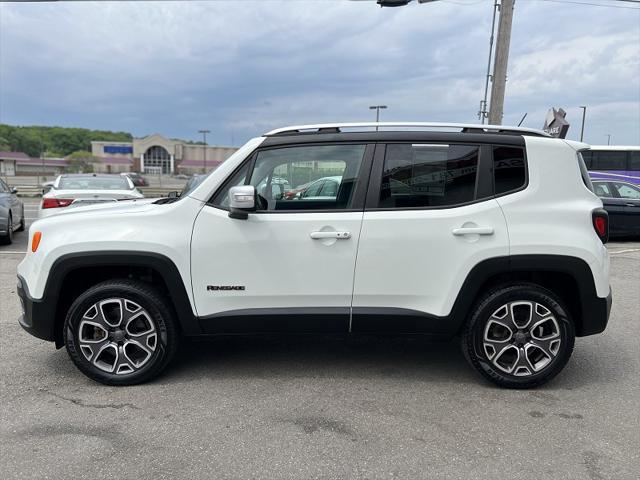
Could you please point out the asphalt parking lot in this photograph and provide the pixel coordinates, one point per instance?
(323, 407)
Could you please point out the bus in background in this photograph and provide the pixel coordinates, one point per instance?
(607, 162)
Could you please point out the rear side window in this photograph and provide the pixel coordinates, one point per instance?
(428, 175)
(509, 169)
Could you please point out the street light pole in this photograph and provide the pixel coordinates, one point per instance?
(584, 114)
(377, 108)
(204, 136)
(608, 139)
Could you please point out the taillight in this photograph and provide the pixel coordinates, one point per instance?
(600, 219)
(56, 202)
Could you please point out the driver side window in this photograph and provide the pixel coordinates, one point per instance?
(292, 178)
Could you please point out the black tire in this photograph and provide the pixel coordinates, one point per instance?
(22, 223)
(478, 348)
(135, 293)
(7, 239)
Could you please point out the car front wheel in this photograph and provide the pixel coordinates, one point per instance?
(120, 332)
(519, 336)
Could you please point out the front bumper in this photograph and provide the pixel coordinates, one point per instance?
(36, 318)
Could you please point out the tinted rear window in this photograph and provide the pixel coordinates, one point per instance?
(509, 169)
(428, 175)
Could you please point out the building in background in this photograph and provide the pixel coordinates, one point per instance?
(156, 154)
(18, 163)
(8, 162)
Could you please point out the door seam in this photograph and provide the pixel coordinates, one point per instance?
(355, 266)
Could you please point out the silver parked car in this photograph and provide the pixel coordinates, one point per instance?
(76, 190)
(11, 213)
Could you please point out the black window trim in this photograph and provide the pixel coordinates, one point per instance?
(359, 194)
(484, 179)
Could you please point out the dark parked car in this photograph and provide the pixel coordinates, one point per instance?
(622, 201)
(137, 179)
(11, 213)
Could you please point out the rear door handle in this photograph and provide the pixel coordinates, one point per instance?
(473, 231)
(338, 235)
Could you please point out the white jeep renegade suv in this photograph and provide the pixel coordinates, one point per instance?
(484, 232)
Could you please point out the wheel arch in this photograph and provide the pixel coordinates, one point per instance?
(74, 273)
(568, 277)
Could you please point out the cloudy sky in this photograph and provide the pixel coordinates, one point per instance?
(242, 67)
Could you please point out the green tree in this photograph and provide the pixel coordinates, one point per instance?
(81, 162)
(56, 141)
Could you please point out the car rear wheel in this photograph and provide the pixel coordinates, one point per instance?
(120, 332)
(7, 238)
(519, 336)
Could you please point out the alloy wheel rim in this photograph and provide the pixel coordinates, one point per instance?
(117, 336)
(521, 338)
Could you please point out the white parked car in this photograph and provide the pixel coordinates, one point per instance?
(487, 233)
(82, 189)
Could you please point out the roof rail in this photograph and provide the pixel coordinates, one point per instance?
(464, 127)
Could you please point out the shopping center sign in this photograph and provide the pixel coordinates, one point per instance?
(555, 123)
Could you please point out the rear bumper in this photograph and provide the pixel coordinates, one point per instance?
(36, 318)
(595, 315)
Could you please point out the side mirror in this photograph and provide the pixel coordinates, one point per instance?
(242, 199)
(14, 190)
(173, 194)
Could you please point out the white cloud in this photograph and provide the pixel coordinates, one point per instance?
(246, 66)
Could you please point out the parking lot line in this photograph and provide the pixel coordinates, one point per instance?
(625, 251)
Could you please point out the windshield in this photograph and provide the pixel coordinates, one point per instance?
(192, 183)
(94, 183)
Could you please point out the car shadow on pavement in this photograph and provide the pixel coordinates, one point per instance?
(409, 358)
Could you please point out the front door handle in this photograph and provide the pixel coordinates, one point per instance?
(338, 235)
(632, 205)
(473, 231)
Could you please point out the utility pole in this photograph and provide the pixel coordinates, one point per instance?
(608, 139)
(499, 78)
(482, 113)
(377, 108)
(204, 136)
(584, 114)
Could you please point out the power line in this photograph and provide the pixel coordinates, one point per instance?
(596, 4)
(636, 2)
